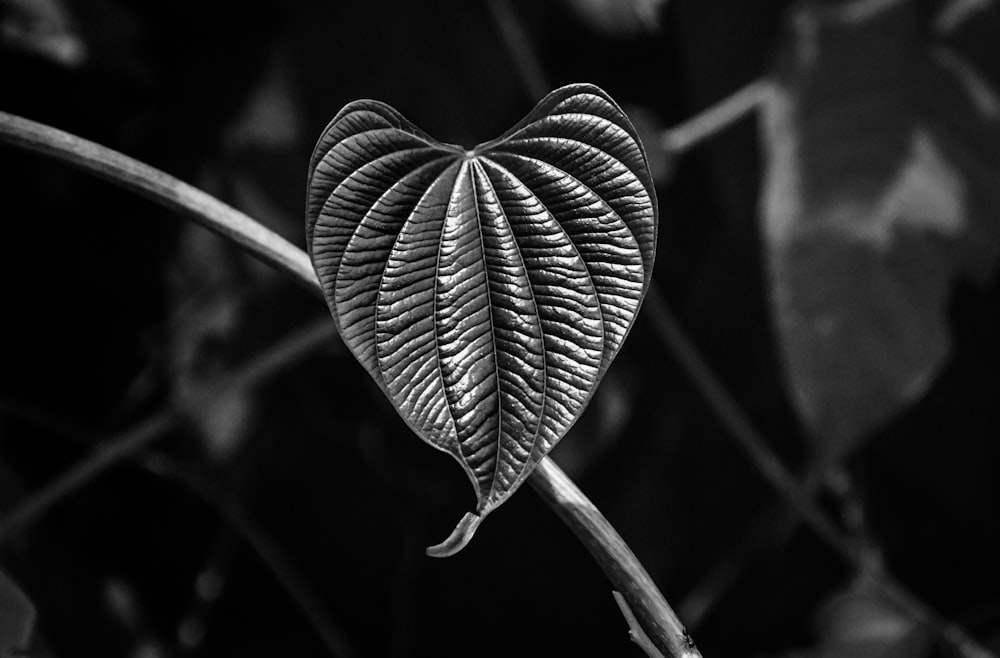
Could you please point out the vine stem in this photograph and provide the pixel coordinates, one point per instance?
(798, 496)
(620, 565)
(637, 635)
(104, 457)
(518, 45)
(164, 189)
(655, 616)
(135, 441)
(138, 440)
(715, 119)
(267, 550)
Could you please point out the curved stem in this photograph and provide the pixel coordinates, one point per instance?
(522, 53)
(715, 119)
(618, 562)
(636, 633)
(162, 188)
(104, 457)
(729, 413)
(798, 496)
(655, 616)
(263, 545)
(133, 442)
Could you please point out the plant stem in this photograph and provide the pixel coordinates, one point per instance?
(737, 423)
(627, 575)
(113, 452)
(715, 119)
(264, 547)
(799, 497)
(616, 559)
(131, 443)
(522, 53)
(162, 188)
(636, 634)
(290, 349)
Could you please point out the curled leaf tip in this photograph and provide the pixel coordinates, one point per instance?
(458, 538)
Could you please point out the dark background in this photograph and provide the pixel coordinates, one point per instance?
(113, 309)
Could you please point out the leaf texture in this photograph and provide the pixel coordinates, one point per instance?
(486, 291)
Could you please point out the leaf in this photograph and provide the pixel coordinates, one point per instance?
(209, 311)
(858, 622)
(882, 150)
(45, 28)
(486, 291)
(620, 18)
(17, 618)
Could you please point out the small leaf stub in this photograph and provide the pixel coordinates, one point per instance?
(486, 291)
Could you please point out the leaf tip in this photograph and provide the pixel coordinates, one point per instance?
(458, 538)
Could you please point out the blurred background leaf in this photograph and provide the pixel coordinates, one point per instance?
(17, 618)
(858, 622)
(882, 150)
(619, 18)
(45, 28)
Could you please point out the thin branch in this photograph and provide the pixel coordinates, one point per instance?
(948, 630)
(635, 632)
(715, 119)
(284, 353)
(737, 423)
(798, 496)
(162, 188)
(265, 548)
(116, 449)
(522, 53)
(111, 453)
(706, 594)
(623, 569)
(618, 562)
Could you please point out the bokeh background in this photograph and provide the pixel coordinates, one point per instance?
(275, 504)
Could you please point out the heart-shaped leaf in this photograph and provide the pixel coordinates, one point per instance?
(486, 291)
